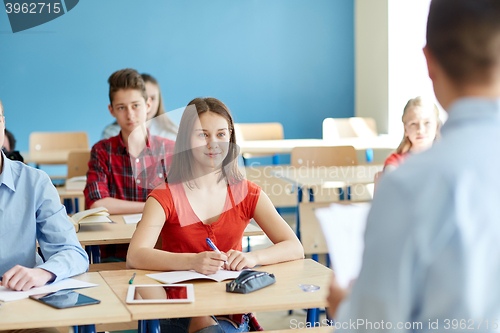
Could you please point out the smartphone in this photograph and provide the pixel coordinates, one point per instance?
(65, 299)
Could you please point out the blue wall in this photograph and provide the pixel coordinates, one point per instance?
(290, 61)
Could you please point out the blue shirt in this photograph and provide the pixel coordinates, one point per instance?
(432, 243)
(30, 210)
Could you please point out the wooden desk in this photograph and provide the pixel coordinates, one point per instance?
(381, 146)
(335, 176)
(211, 297)
(120, 233)
(28, 313)
(46, 157)
(71, 194)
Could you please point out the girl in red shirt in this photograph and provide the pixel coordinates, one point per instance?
(205, 196)
(421, 124)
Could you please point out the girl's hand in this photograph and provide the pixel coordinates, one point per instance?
(208, 262)
(236, 260)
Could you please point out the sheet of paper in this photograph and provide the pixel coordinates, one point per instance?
(132, 218)
(344, 227)
(179, 276)
(7, 295)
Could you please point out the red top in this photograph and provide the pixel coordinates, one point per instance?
(112, 169)
(396, 159)
(183, 232)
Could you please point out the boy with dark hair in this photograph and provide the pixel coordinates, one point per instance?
(431, 242)
(31, 211)
(125, 168)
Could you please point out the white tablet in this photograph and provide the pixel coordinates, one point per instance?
(160, 293)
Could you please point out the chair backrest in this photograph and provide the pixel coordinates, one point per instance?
(311, 235)
(258, 131)
(355, 127)
(78, 163)
(278, 190)
(45, 141)
(324, 156)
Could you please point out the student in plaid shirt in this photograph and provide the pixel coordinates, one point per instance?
(125, 168)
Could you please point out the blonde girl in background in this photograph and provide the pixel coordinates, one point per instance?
(161, 125)
(421, 124)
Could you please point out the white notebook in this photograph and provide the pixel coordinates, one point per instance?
(179, 276)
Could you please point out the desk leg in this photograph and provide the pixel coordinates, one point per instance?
(311, 195)
(88, 249)
(142, 326)
(299, 200)
(76, 205)
(311, 316)
(96, 254)
(153, 326)
(68, 203)
(369, 155)
(86, 329)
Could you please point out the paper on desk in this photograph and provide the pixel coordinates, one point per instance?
(179, 276)
(132, 219)
(7, 295)
(343, 228)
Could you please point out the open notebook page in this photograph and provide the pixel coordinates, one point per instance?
(179, 276)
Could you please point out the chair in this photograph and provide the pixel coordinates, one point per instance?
(279, 191)
(258, 131)
(50, 141)
(319, 157)
(324, 156)
(355, 127)
(78, 163)
(311, 234)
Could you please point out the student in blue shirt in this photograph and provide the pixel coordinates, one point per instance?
(30, 210)
(431, 259)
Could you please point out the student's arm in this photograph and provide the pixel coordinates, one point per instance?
(142, 254)
(286, 245)
(117, 206)
(57, 239)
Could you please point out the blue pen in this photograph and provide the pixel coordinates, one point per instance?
(212, 245)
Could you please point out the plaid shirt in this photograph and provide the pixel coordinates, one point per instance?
(114, 173)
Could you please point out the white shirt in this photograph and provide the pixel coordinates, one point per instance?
(432, 243)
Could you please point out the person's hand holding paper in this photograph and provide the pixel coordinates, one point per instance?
(343, 228)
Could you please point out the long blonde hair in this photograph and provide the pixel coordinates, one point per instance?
(418, 101)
